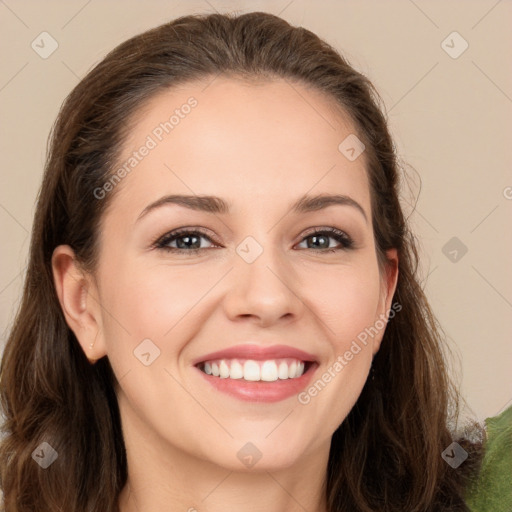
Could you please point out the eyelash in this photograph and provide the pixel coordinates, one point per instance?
(340, 236)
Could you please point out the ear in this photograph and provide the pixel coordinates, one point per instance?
(388, 286)
(79, 301)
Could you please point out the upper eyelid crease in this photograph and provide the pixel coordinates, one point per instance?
(217, 205)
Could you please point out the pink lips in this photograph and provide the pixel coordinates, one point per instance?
(259, 391)
(258, 353)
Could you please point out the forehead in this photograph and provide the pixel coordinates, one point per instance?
(241, 140)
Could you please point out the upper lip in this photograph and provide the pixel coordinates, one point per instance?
(257, 352)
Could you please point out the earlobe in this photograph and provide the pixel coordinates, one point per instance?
(80, 309)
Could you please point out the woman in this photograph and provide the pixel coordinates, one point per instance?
(221, 308)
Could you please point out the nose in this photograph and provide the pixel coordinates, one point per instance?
(264, 290)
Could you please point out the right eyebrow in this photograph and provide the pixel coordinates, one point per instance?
(208, 204)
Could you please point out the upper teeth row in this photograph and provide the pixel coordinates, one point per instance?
(252, 370)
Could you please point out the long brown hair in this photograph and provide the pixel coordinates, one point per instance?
(386, 455)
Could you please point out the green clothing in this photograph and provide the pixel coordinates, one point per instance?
(492, 492)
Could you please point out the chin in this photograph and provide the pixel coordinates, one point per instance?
(259, 455)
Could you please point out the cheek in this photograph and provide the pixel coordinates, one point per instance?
(346, 302)
(345, 299)
(153, 302)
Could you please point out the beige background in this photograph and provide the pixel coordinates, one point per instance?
(451, 119)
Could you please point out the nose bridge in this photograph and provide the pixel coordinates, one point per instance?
(259, 260)
(262, 281)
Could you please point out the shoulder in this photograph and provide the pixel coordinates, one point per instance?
(492, 489)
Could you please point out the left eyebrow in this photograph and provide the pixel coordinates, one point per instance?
(214, 204)
(314, 203)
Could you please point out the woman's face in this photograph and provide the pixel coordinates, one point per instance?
(261, 277)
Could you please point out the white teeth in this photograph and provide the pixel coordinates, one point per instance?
(236, 371)
(251, 370)
(223, 370)
(269, 371)
(283, 371)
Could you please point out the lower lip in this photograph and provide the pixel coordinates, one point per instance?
(261, 391)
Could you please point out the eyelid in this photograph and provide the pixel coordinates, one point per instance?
(160, 242)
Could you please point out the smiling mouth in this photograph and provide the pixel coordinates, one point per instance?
(252, 370)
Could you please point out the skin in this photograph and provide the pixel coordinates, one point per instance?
(260, 147)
